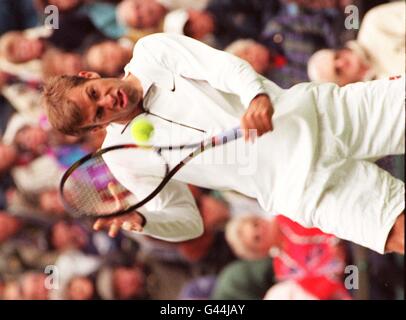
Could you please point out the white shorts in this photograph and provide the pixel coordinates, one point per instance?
(355, 199)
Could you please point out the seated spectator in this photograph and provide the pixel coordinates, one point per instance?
(259, 56)
(32, 286)
(139, 14)
(29, 286)
(378, 52)
(108, 58)
(213, 26)
(57, 62)
(82, 288)
(65, 235)
(9, 226)
(50, 202)
(63, 5)
(309, 257)
(121, 282)
(244, 280)
(16, 47)
(295, 36)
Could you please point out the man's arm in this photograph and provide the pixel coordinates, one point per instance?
(193, 59)
(171, 216)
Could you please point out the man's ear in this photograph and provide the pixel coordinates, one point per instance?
(89, 74)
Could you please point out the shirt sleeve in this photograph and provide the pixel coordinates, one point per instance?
(172, 215)
(193, 59)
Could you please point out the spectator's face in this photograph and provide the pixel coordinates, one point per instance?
(200, 24)
(108, 58)
(64, 5)
(33, 287)
(9, 226)
(12, 291)
(8, 156)
(214, 211)
(66, 63)
(141, 14)
(2, 286)
(51, 203)
(68, 236)
(257, 55)
(259, 235)
(23, 49)
(128, 282)
(105, 100)
(80, 288)
(348, 67)
(32, 138)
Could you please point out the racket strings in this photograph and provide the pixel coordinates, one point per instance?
(92, 189)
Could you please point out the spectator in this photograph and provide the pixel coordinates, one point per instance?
(139, 14)
(9, 226)
(16, 47)
(108, 58)
(259, 56)
(310, 258)
(121, 282)
(378, 51)
(32, 286)
(57, 62)
(243, 20)
(244, 280)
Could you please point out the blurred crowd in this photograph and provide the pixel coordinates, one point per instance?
(244, 253)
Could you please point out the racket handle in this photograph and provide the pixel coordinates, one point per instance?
(229, 135)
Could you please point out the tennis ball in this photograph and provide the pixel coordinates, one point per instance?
(141, 130)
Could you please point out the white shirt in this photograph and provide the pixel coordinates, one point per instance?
(212, 90)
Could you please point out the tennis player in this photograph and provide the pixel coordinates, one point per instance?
(315, 148)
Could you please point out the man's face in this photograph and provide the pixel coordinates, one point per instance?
(108, 58)
(348, 67)
(105, 100)
(200, 24)
(259, 235)
(80, 288)
(32, 138)
(9, 225)
(51, 203)
(33, 287)
(257, 55)
(64, 5)
(24, 49)
(67, 236)
(8, 154)
(128, 282)
(140, 13)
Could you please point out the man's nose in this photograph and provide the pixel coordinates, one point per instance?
(108, 101)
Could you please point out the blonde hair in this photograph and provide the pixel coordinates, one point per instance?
(239, 45)
(63, 114)
(234, 239)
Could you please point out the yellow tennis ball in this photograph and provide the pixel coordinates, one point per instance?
(141, 130)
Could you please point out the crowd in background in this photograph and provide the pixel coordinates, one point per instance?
(244, 253)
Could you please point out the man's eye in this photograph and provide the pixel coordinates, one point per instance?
(93, 94)
(99, 113)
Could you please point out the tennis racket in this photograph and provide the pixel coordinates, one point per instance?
(88, 188)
